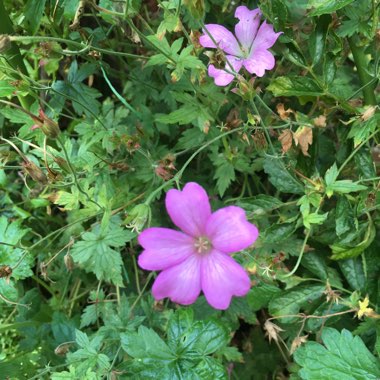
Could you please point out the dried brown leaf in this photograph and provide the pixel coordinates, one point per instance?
(304, 138)
(320, 121)
(282, 112)
(297, 343)
(285, 139)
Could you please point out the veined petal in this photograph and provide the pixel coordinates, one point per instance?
(229, 230)
(164, 248)
(247, 26)
(265, 37)
(181, 283)
(224, 39)
(189, 209)
(222, 277)
(259, 61)
(223, 77)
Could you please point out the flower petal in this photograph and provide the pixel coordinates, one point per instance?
(259, 61)
(164, 248)
(247, 26)
(189, 209)
(229, 230)
(223, 77)
(181, 283)
(222, 277)
(265, 37)
(224, 39)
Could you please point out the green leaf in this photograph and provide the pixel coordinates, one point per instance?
(321, 7)
(314, 218)
(146, 344)
(344, 218)
(291, 301)
(317, 40)
(364, 163)
(360, 130)
(224, 174)
(331, 175)
(6, 89)
(34, 9)
(353, 271)
(295, 86)
(280, 177)
(341, 357)
(345, 186)
(94, 252)
(260, 295)
(344, 251)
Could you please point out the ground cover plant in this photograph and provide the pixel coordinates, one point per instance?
(189, 189)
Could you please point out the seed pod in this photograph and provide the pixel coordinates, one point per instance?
(5, 42)
(35, 172)
(69, 262)
(62, 163)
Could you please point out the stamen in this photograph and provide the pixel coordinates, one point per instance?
(202, 245)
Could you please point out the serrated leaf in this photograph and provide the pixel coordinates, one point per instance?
(280, 177)
(224, 175)
(94, 252)
(321, 7)
(291, 301)
(314, 218)
(342, 357)
(295, 86)
(146, 344)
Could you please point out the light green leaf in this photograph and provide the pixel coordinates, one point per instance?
(321, 7)
(94, 252)
(344, 251)
(294, 86)
(341, 357)
(314, 218)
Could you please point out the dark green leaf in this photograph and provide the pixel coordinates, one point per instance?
(280, 176)
(291, 301)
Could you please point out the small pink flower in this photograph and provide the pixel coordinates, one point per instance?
(198, 259)
(249, 48)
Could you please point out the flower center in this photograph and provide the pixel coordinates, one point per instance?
(202, 245)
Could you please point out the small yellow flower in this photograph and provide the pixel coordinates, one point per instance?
(364, 310)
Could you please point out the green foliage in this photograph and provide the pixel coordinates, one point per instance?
(126, 84)
(342, 356)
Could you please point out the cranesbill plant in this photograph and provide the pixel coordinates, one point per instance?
(249, 48)
(199, 257)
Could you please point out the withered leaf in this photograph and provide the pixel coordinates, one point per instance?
(320, 121)
(285, 139)
(304, 138)
(282, 112)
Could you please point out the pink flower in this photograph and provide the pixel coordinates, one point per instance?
(248, 49)
(199, 257)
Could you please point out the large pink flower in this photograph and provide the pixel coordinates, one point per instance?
(249, 48)
(199, 257)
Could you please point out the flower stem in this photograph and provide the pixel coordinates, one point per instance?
(264, 126)
(361, 65)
